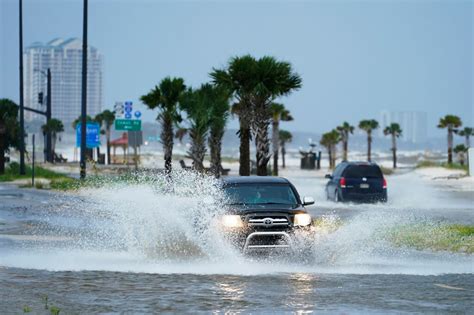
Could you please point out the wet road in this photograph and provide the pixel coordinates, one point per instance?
(108, 262)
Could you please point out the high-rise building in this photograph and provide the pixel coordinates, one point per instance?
(414, 124)
(64, 58)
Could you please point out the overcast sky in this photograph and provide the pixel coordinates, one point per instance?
(355, 57)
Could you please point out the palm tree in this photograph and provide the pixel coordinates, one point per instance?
(460, 150)
(368, 126)
(220, 111)
(279, 113)
(9, 129)
(180, 133)
(467, 132)
(165, 97)
(53, 126)
(329, 140)
(196, 105)
(395, 131)
(344, 130)
(273, 79)
(239, 79)
(77, 121)
(450, 122)
(284, 137)
(108, 118)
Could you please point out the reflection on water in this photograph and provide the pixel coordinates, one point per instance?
(302, 286)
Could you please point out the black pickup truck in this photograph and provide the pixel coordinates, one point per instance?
(264, 213)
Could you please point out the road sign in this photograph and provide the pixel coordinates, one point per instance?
(135, 138)
(138, 114)
(119, 109)
(128, 124)
(92, 135)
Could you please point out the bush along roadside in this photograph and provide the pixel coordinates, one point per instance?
(12, 172)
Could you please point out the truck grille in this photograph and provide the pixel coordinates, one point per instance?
(268, 221)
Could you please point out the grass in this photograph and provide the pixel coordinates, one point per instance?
(453, 237)
(98, 181)
(12, 172)
(452, 166)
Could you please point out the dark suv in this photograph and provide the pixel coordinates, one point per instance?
(357, 181)
(264, 213)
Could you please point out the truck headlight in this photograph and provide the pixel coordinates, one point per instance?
(232, 221)
(302, 219)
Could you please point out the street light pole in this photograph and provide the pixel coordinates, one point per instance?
(22, 111)
(84, 95)
(49, 154)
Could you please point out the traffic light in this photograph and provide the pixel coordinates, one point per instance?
(40, 97)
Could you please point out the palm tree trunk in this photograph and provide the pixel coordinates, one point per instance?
(330, 156)
(262, 121)
(450, 145)
(53, 145)
(244, 158)
(198, 149)
(276, 142)
(345, 148)
(283, 153)
(215, 145)
(369, 146)
(167, 140)
(334, 154)
(394, 150)
(2, 153)
(107, 135)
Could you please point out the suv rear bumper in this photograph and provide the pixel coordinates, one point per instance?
(363, 197)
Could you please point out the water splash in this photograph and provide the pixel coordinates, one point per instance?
(146, 224)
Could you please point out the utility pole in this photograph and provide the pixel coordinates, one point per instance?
(84, 95)
(33, 164)
(22, 111)
(49, 156)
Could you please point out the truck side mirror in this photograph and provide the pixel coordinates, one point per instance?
(307, 201)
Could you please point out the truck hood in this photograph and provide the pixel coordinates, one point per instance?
(244, 209)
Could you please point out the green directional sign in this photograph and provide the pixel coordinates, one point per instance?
(128, 124)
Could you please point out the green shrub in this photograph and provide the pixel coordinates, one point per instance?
(12, 172)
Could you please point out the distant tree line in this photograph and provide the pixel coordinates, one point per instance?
(341, 134)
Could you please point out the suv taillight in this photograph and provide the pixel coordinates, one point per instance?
(384, 183)
(342, 182)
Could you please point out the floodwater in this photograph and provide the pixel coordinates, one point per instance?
(134, 248)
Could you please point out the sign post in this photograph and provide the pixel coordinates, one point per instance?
(470, 161)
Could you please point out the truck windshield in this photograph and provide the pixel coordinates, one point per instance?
(252, 194)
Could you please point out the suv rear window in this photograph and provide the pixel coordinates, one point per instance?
(358, 171)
